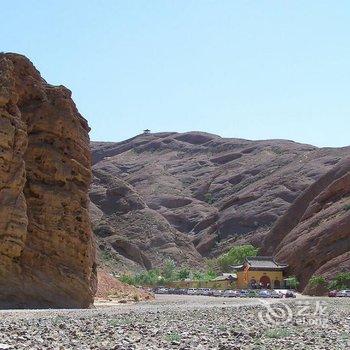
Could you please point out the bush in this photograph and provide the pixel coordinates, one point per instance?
(106, 256)
(278, 333)
(347, 207)
(147, 278)
(209, 198)
(340, 281)
(183, 273)
(204, 275)
(173, 337)
(127, 279)
(236, 255)
(316, 281)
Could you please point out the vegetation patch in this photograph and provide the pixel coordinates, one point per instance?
(209, 198)
(168, 273)
(277, 333)
(173, 337)
(107, 256)
(347, 207)
(340, 281)
(292, 282)
(235, 256)
(316, 281)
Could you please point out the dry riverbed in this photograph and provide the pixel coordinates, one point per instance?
(184, 322)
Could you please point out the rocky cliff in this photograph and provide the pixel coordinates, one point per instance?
(313, 236)
(187, 195)
(47, 254)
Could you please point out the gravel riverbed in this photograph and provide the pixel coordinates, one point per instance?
(184, 322)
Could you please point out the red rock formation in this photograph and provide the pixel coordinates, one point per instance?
(216, 191)
(47, 256)
(313, 237)
(129, 227)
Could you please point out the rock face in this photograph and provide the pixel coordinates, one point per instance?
(313, 236)
(47, 256)
(136, 235)
(206, 191)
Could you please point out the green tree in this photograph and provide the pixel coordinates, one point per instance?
(183, 273)
(340, 281)
(168, 271)
(236, 255)
(292, 282)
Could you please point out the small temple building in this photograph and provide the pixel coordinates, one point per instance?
(260, 272)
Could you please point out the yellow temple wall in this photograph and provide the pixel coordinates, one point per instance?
(256, 275)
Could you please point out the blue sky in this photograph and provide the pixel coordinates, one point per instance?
(247, 69)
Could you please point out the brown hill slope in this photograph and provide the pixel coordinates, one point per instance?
(47, 256)
(196, 186)
(314, 234)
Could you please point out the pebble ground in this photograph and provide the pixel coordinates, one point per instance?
(184, 322)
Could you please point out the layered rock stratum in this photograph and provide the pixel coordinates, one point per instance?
(47, 255)
(313, 236)
(193, 195)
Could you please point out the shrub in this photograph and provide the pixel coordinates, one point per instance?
(106, 256)
(203, 275)
(347, 207)
(127, 279)
(183, 273)
(173, 337)
(236, 255)
(278, 333)
(147, 278)
(316, 281)
(340, 281)
(209, 198)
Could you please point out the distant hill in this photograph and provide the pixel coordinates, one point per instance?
(192, 195)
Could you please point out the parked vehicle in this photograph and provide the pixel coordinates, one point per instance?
(344, 293)
(192, 291)
(161, 290)
(229, 293)
(264, 294)
(243, 293)
(206, 291)
(290, 294)
(276, 295)
(218, 293)
(332, 293)
(198, 291)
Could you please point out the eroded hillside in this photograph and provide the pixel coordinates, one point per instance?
(195, 194)
(313, 236)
